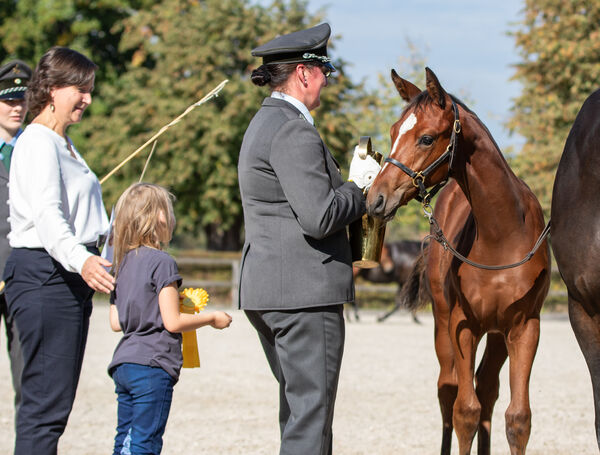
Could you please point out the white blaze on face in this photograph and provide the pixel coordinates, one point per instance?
(407, 125)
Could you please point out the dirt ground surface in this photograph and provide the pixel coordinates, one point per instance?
(386, 402)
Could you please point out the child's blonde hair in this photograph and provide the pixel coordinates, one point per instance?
(143, 217)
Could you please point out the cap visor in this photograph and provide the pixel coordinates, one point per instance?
(13, 96)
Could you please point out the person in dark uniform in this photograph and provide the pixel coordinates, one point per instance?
(296, 270)
(14, 76)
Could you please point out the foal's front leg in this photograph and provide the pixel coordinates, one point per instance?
(447, 382)
(467, 408)
(521, 341)
(488, 386)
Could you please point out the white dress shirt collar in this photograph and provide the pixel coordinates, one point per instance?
(296, 103)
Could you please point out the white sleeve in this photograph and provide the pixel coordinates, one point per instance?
(45, 193)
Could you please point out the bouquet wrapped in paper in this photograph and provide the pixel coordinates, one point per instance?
(193, 301)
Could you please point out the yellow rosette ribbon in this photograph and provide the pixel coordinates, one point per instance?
(194, 301)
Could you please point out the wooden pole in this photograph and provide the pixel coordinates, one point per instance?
(210, 95)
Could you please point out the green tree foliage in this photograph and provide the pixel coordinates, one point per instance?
(30, 27)
(559, 43)
(158, 57)
(180, 50)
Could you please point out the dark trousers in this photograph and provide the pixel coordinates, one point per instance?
(304, 349)
(13, 346)
(51, 308)
(144, 394)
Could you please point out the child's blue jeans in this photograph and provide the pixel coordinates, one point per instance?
(144, 396)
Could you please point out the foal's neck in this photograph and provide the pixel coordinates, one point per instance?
(493, 190)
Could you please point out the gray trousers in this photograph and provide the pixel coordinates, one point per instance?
(304, 349)
(13, 346)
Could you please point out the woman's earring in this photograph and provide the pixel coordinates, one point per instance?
(52, 107)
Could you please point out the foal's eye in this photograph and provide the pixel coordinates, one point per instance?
(426, 140)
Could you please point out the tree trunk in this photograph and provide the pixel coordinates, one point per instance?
(224, 240)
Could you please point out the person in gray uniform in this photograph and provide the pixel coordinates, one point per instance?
(14, 76)
(296, 270)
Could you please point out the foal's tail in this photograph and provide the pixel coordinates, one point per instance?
(415, 291)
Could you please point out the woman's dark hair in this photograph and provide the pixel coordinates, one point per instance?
(276, 75)
(59, 67)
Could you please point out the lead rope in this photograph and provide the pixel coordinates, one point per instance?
(439, 236)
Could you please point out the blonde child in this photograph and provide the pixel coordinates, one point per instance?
(145, 306)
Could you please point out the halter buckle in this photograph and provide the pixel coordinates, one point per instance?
(415, 181)
(457, 126)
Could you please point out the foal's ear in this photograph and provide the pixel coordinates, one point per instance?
(436, 92)
(407, 90)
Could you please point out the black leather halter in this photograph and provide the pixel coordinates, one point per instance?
(418, 178)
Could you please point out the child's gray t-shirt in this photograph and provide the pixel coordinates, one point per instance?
(143, 274)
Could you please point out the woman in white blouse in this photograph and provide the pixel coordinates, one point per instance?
(57, 221)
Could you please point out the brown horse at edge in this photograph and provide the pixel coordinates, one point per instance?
(491, 217)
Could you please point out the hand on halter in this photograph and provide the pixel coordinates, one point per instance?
(363, 169)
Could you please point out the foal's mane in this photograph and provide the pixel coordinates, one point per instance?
(424, 100)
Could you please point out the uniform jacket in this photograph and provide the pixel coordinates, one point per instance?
(296, 209)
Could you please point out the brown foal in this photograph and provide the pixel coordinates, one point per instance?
(491, 217)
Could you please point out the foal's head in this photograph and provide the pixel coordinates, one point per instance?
(419, 138)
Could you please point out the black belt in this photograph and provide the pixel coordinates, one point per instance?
(97, 244)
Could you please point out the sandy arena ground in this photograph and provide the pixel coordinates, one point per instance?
(386, 400)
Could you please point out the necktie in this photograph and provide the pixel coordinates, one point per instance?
(6, 151)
